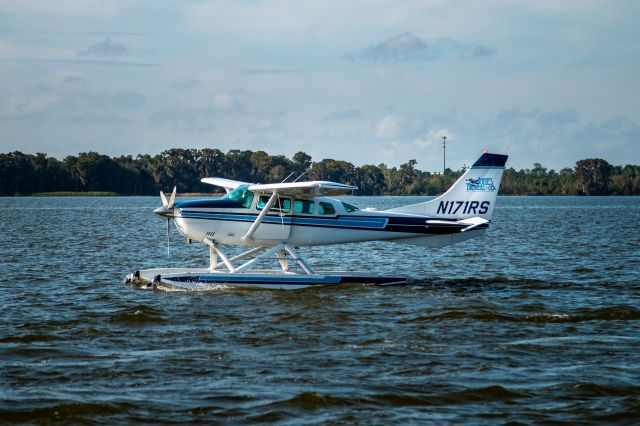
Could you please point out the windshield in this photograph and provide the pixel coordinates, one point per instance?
(236, 194)
(241, 194)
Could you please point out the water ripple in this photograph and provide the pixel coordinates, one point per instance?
(536, 323)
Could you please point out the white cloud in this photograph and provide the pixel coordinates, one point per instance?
(70, 102)
(231, 109)
(28, 104)
(230, 102)
(434, 137)
(401, 127)
(389, 127)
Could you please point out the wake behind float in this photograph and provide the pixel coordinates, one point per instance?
(275, 219)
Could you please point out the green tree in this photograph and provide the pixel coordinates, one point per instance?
(332, 170)
(238, 165)
(301, 162)
(407, 176)
(15, 173)
(370, 180)
(177, 167)
(592, 175)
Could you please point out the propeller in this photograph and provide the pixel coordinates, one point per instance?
(172, 199)
(167, 211)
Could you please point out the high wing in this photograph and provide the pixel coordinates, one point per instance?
(311, 188)
(227, 184)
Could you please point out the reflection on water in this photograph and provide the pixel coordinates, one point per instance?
(536, 322)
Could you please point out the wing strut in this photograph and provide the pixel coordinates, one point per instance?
(263, 213)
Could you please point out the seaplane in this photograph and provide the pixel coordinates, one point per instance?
(272, 221)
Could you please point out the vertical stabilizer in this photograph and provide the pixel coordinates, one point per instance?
(473, 195)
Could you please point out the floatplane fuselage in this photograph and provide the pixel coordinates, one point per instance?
(279, 218)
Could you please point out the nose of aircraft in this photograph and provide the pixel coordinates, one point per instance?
(164, 212)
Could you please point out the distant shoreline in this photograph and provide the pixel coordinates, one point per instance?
(93, 174)
(73, 194)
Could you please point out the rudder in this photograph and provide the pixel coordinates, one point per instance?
(472, 195)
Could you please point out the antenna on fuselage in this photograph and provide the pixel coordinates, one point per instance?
(303, 173)
(285, 179)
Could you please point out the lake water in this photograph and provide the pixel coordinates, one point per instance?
(537, 322)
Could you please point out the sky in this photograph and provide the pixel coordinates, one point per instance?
(370, 82)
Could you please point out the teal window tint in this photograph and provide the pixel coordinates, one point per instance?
(262, 202)
(281, 205)
(236, 194)
(326, 208)
(247, 200)
(349, 207)
(303, 206)
(241, 194)
(285, 205)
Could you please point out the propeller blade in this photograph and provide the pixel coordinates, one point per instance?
(164, 199)
(168, 250)
(173, 198)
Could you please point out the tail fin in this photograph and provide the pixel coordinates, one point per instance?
(473, 195)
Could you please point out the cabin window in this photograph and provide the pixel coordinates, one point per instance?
(326, 208)
(303, 206)
(242, 195)
(349, 207)
(286, 204)
(282, 205)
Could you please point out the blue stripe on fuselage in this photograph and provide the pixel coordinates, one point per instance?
(413, 225)
(334, 222)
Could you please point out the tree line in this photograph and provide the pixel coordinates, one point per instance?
(27, 174)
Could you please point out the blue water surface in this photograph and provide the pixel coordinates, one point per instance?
(537, 322)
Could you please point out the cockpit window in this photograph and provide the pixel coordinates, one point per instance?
(241, 194)
(349, 207)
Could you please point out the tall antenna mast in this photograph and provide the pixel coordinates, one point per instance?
(444, 154)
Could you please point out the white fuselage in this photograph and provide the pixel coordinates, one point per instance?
(309, 221)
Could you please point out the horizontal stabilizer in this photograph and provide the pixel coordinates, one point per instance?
(470, 222)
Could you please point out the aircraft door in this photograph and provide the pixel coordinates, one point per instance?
(277, 224)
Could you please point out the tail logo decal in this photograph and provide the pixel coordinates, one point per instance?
(480, 184)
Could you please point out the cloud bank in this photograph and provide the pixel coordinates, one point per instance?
(407, 47)
(106, 49)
